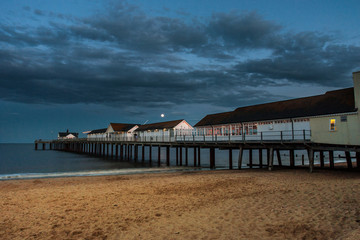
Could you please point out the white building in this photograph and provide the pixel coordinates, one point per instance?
(284, 120)
(163, 131)
(121, 131)
(97, 134)
(67, 135)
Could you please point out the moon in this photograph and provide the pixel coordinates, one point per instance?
(162, 115)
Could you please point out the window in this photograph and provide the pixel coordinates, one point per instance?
(332, 125)
(343, 118)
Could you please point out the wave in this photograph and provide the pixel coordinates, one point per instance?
(95, 173)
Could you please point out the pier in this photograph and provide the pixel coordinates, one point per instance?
(128, 148)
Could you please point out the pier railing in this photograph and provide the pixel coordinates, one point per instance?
(265, 136)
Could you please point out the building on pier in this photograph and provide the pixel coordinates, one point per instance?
(163, 131)
(67, 135)
(97, 134)
(121, 130)
(329, 118)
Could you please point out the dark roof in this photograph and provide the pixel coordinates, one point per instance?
(64, 134)
(103, 130)
(332, 102)
(122, 127)
(160, 125)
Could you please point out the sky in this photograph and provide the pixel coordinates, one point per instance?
(82, 64)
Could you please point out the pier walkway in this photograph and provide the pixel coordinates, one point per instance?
(126, 148)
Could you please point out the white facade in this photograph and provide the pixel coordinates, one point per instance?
(165, 134)
(96, 134)
(282, 129)
(68, 136)
(111, 133)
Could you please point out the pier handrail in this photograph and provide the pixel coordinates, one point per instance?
(194, 137)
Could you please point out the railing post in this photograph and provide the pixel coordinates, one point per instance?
(215, 137)
(229, 137)
(304, 135)
(281, 135)
(193, 138)
(204, 138)
(184, 138)
(261, 137)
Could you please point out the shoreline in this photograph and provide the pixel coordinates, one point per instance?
(340, 165)
(94, 173)
(221, 204)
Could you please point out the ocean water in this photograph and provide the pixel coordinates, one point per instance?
(18, 161)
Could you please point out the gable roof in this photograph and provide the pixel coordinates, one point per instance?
(160, 125)
(64, 134)
(103, 130)
(122, 127)
(332, 102)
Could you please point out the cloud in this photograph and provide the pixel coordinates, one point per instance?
(125, 58)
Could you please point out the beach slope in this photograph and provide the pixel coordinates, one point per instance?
(246, 204)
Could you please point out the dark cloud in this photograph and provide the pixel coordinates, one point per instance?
(246, 30)
(125, 58)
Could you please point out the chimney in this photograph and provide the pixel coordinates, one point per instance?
(356, 78)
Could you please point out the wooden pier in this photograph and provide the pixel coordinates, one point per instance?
(129, 150)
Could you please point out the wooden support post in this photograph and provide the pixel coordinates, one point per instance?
(128, 152)
(136, 152)
(51, 146)
(230, 159)
(322, 163)
(240, 157)
(278, 157)
(181, 152)
(44, 146)
(199, 157)
(131, 151)
(150, 153)
(348, 159)
(271, 159)
(250, 158)
(143, 153)
(121, 152)
(331, 159)
(167, 155)
(116, 151)
(186, 156)
(159, 155)
(357, 159)
(194, 156)
(177, 156)
(311, 159)
(36, 146)
(292, 158)
(260, 158)
(212, 157)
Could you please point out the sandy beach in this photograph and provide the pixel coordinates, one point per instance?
(246, 204)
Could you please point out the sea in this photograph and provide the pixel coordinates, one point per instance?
(22, 161)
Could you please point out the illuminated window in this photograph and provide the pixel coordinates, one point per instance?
(332, 125)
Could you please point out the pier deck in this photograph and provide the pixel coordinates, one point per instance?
(126, 149)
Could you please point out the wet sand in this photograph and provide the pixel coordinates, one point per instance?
(246, 204)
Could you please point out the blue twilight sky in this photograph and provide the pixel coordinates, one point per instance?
(79, 65)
